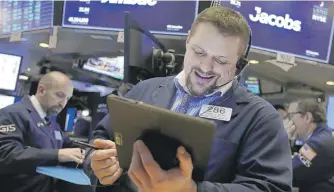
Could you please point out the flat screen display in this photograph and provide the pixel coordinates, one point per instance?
(167, 17)
(25, 15)
(330, 112)
(301, 28)
(6, 100)
(253, 85)
(9, 70)
(112, 67)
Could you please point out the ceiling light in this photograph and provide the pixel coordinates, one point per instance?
(330, 83)
(254, 62)
(102, 37)
(44, 45)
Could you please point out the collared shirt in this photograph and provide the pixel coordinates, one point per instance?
(184, 103)
(37, 106)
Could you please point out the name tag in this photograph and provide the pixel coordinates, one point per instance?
(58, 135)
(216, 112)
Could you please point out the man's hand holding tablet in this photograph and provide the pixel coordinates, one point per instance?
(104, 162)
(146, 173)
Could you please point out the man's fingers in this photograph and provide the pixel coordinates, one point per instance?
(135, 180)
(137, 170)
(108, 180)
(101, 164)
(151, 166)
(111, 170)
(78, 154)
(135, 164)
(185, 160)
(103, 154)
(104, 144)
(77, 160)
(288, 124)
(292, 130)
(294, 135)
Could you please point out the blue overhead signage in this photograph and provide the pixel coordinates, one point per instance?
(301, 28)
(17, 16)
(167, 17)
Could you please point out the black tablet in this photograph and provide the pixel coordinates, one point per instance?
(131, 119)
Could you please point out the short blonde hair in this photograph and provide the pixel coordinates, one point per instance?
(317, 109)
(227, 21)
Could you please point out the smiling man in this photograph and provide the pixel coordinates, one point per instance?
(250, 151)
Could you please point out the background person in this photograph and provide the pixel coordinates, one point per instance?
(313, 166)
(29, 139)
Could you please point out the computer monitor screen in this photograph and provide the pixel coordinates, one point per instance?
(253, 85)
(6, 100)
(25, 15)
(112, 67)
(166, 17)
(9, 71)
(330, 112)
(138, 47)
(277, 26)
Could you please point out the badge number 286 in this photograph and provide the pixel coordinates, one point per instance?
(215, 109)
(216, 112)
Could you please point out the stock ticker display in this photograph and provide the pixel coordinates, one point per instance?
(166, 17)
(16, 16)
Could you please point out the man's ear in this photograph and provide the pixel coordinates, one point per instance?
(309, 117)
(187, 42)
(41, 89)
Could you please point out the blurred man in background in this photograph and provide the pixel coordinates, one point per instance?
(28, 138)
(282, 111)
(313, 166)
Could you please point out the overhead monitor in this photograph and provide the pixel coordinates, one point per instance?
(166, 17)
(300, 28)
(6, 100)
(330, 112)
(9, 71)
(138, 49)
(112, 67)
(25, 15)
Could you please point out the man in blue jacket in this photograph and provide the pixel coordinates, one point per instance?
(250, 151)
(313, 167)
(28, 138)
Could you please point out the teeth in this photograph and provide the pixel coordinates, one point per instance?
(204, 76)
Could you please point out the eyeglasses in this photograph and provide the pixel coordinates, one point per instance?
(291, 114)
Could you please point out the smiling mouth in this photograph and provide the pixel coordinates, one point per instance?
(204, 76)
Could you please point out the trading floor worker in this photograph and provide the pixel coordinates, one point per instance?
(313, 166)
(29, 139)
(282, 111)
(250, 150)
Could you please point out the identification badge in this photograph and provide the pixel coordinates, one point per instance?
(58, 135)
(216, 112)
